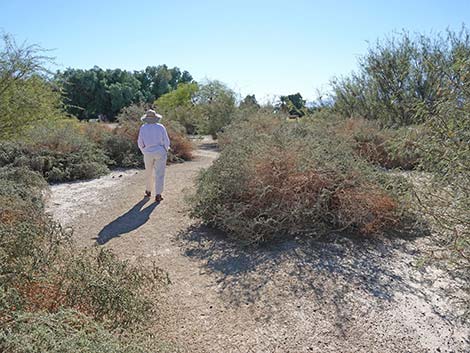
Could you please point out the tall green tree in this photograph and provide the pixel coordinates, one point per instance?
(97, 92)
(178, 105)
(250, 103)
(215, 107)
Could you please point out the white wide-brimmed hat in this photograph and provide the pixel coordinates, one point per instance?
(151, 117)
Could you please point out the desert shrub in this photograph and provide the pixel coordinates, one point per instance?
(42, 270)
(275, 178)
(181, 147)
(58, 150)
(96, 132)
(445, 194)
(122, 151)
(401, 78)
(47, 287)
(107, 289)
(69, 331)
(28, 240)
(388, 148)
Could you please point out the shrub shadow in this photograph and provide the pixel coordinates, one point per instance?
(129, 221)
(333, 269)
(209, 146)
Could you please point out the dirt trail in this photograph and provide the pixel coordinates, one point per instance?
(333, 295)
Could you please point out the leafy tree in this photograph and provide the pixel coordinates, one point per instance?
(178, 105)
(249, 102)
(214, 106)
(180, 97)
(400, 79)
(96, 92)
(293, 104)
(26, 95)
(159, 80)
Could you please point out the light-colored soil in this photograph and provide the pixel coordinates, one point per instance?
(329, 295)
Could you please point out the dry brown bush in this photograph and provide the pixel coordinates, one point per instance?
(276, 178)
(387, 148)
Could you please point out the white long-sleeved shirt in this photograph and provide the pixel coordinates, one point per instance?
(153, 137)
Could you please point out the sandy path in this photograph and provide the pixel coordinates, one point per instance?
(334, 295)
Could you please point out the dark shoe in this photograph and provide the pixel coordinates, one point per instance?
(147, 193)
(158, 198)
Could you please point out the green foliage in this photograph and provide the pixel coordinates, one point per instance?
(447, 154)
(58, 150)
(400, 79)
(103, 93)
(214, 107)
(293, 104)
(55, 298)
(122, 151)
(249, 103)
(203, 109)
(26, 96)
(275, 178)
(178, 106)
(69, 331)
(182, 96)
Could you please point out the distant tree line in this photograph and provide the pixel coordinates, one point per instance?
(103, 93)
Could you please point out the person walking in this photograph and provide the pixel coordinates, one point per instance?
(153, 142)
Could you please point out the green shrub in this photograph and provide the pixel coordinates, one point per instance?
(69, 331)
(53, 296)
(445, 194)
(28, 239)
(58, 150)
(275, 178)
(401, 78)
(122, 151)
(108, 289)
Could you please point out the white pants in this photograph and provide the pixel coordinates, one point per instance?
(155, 163)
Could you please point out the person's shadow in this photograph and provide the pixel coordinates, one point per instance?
(132, 219)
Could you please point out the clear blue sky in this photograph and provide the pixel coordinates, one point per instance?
(262, 47)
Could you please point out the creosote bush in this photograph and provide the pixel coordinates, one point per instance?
(275, 178)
